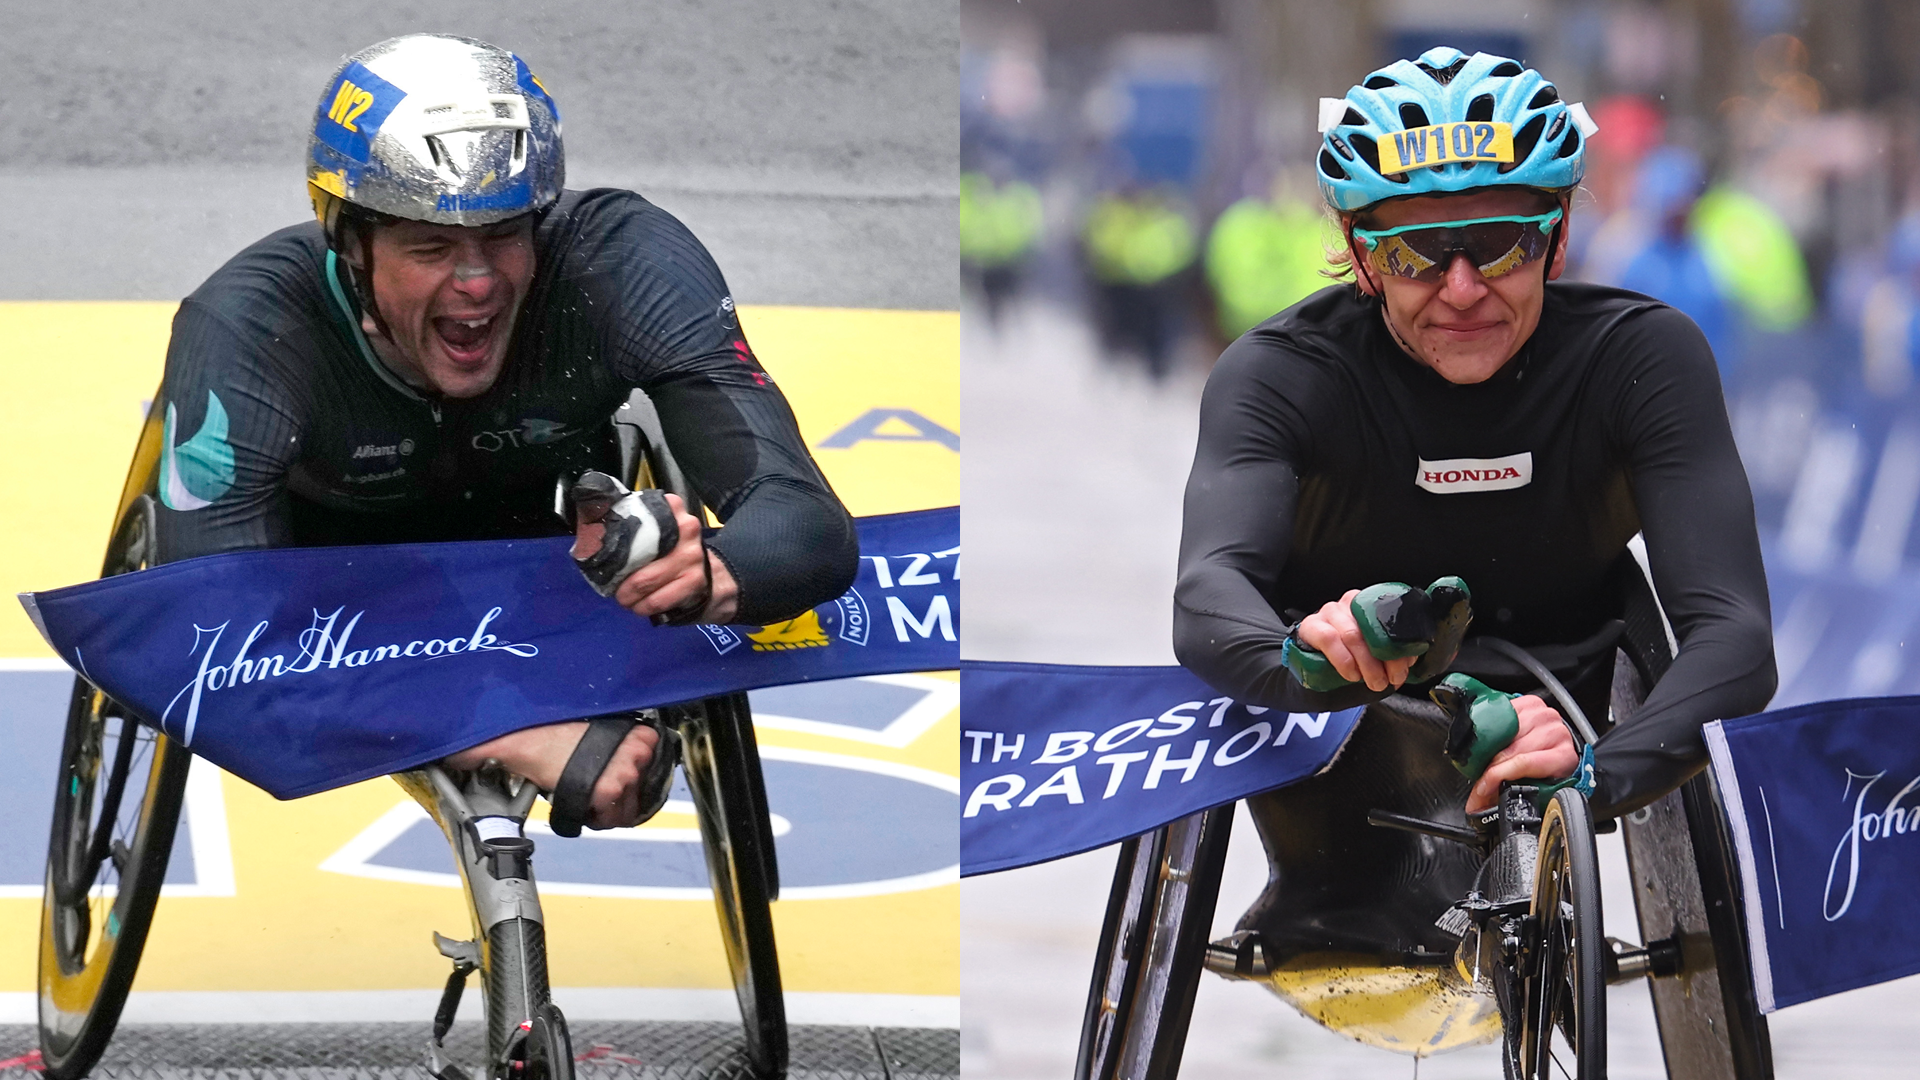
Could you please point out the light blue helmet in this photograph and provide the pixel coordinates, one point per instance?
(1508, 119)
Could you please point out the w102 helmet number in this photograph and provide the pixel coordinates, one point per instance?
(1438, 144)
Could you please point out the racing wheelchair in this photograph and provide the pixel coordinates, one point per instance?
(1389, 919)
(121, 787)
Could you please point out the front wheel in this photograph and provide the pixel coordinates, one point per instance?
(549, 1048)
(1564, 1027)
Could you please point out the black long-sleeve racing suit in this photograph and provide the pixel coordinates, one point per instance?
(1330, 460)
(283, 428)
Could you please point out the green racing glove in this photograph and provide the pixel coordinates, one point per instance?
(1484, 721)
(1397, 621)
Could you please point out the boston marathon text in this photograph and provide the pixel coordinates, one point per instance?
(1117, 758)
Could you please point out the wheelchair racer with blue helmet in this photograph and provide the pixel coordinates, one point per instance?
(451, 337)
(1458, 411)
(1457, 415)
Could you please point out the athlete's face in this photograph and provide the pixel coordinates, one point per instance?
(449, 295)
(1465, 326)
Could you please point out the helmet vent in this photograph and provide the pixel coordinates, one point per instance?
(1547, 96)
(1340, 147)
(1481, 109)
(1413, 116)
(1353, 117)
(441, 158)
(1370, 153)
(1445, 75)
(1524, 141)
(1506, 70)
(1379, 82)
(1330, 167)
(1570, 147)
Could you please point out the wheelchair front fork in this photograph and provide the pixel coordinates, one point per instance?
(484, 822)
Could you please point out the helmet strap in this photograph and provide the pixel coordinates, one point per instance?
(360, 275)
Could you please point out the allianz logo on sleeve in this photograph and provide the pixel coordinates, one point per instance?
(1457, 475)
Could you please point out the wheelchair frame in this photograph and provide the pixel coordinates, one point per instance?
(99, 845)
(1686, 888)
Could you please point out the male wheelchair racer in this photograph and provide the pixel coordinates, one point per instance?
(120, 791)
(1388, 919)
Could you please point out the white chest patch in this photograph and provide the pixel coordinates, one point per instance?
(1457, 475)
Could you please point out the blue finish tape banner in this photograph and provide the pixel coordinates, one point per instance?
(303, 669)
(1056, 760)
(1824, 804)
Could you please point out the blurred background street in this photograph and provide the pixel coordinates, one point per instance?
(1137, 191)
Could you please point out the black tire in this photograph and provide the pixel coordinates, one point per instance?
(1152, 947)
(1563, 1031)
(1749, 1042)
(723, 773)
(515, 969)
(116, 808)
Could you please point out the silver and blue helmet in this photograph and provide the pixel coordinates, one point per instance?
(1448, 122)
(435, 128)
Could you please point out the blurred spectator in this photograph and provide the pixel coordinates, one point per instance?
(1137, 241)
(1715, 255)
(999, 229)
(1889, 338)
(1671, 265)
(1755, 257)
(1630, 127)
(1264, 255)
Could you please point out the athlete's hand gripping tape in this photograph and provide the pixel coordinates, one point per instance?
(639, 528)
(1484, 721)
(1397, 621)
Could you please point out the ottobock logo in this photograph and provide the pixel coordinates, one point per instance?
(532, 431)
(1457, 475)
(323, 644)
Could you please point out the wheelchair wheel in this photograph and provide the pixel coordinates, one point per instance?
(1563, 1031)
(723, 772)
(120, 790)
(549, 1049)
(1148, 966)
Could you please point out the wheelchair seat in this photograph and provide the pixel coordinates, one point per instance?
(1346, 921)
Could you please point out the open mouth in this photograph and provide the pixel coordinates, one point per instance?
(466, 341)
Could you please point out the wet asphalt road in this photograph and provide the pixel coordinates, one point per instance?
(812, 146)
